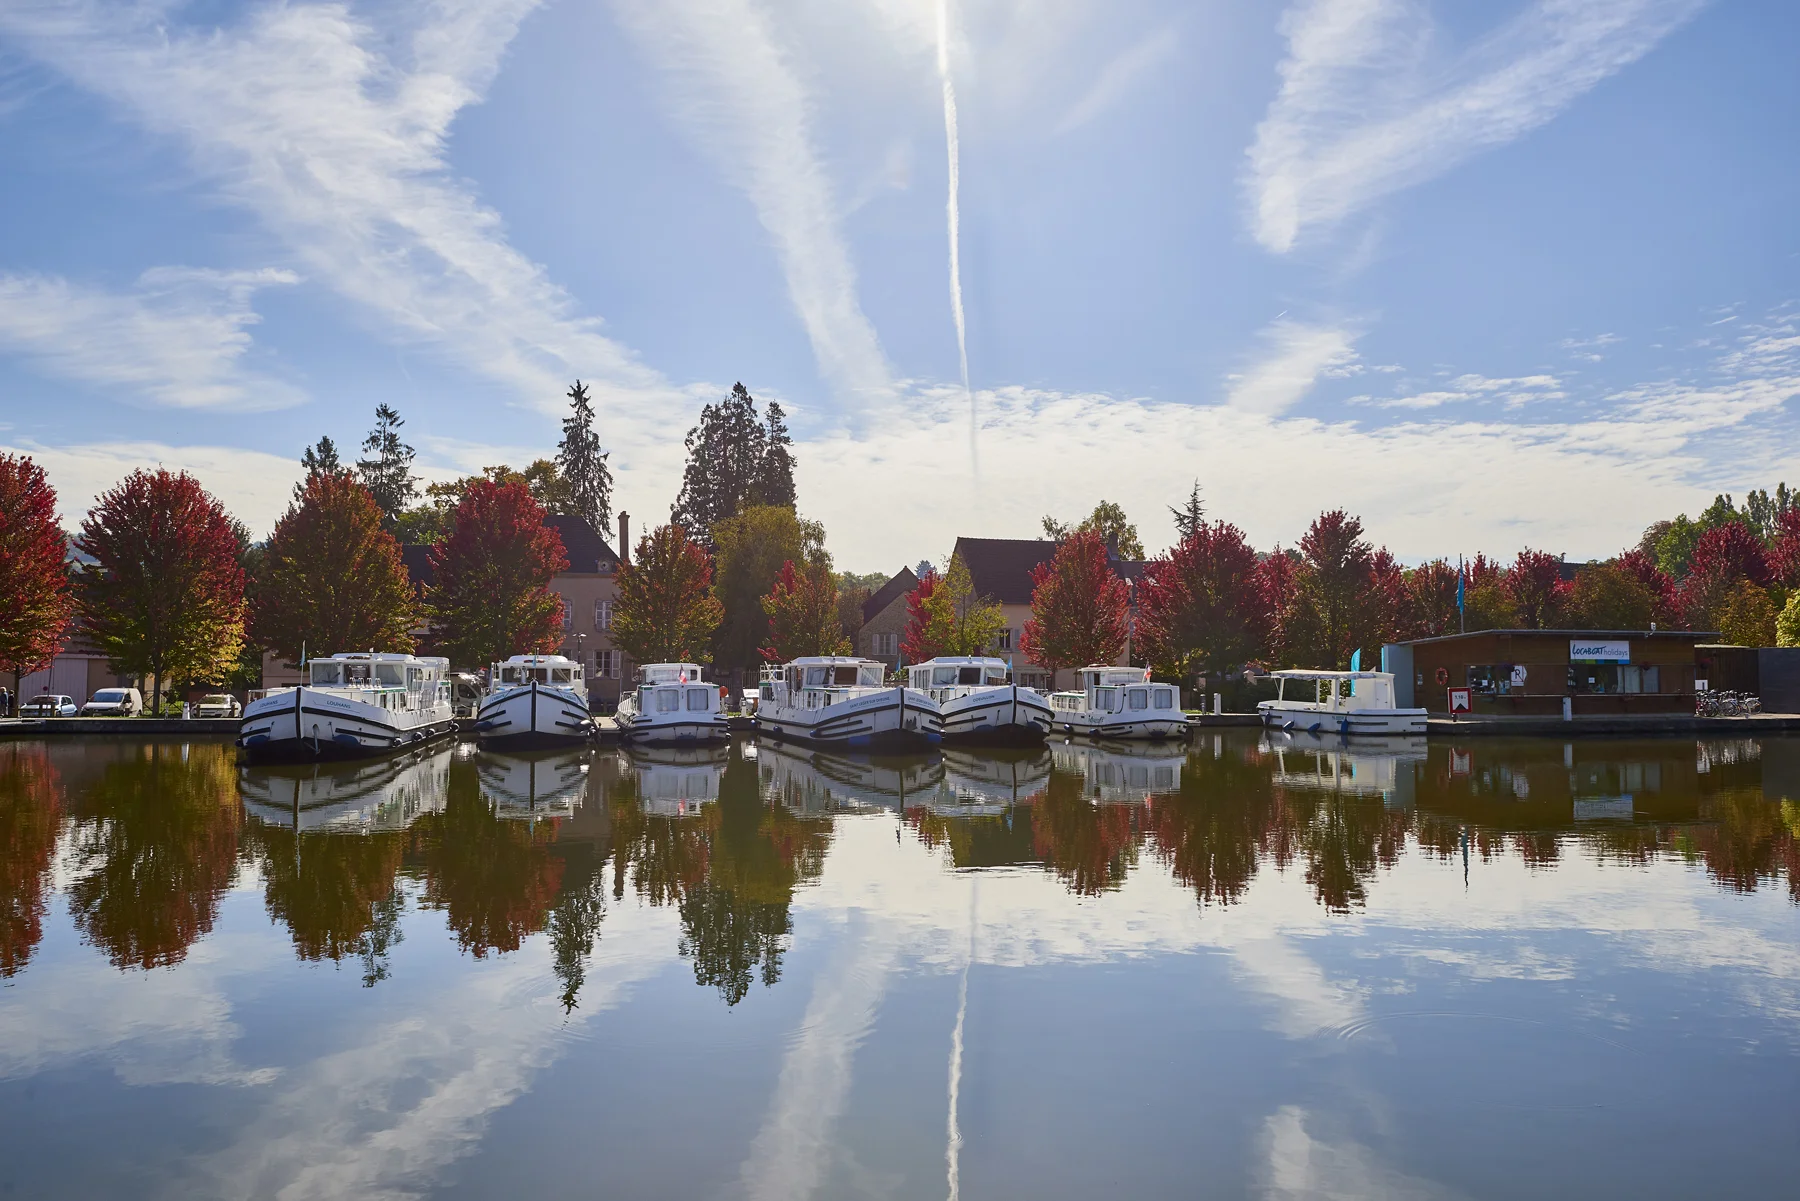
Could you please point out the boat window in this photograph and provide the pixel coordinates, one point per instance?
(920, 677)
(1106, 699)
(1138, 698)
(390, 675)
(415, 678)
(559, 675)
(1165, 698)
(969, 675)
(668, 700)
(942, 676)
(509, 675)
(768, 692)
(356, 673)
(996, 675)
(324, 674)
(816, 676)
(845, 676)
(699, 699)
(871, 673)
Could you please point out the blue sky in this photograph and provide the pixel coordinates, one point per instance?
(1488, 275)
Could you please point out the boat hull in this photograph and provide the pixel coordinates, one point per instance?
(533, 715)
(1004, 716)
(309, 726)
(1099, 724)
(893, 718)
(640, 729)
(1346, 723)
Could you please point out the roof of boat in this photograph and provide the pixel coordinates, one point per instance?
(831, 661)
(535, 660)
(1313, 673)
(961, 661)
(377, 657)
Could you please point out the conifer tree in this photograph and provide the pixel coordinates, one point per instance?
(386, 469)
(318, 459)
(582, 464)
(775, 484)
(1190, 518)
(735, 461)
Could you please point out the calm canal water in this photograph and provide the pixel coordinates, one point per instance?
(1501, 969)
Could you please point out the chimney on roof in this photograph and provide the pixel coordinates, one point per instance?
(624, 536)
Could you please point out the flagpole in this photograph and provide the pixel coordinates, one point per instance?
(1462, 618)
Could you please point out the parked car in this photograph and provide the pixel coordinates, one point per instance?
(47, 705)
(114, 702)
(219, 704)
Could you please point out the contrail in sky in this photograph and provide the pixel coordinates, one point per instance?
(956, 304)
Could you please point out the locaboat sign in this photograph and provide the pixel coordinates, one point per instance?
(1582, 651)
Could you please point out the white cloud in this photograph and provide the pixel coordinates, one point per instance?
(1366, 107)
(333, 133)
(1465, 389)
(1117, 77)
(1297, 356)
(734, 88)
(178, 339)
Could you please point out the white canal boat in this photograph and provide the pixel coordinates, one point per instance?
(1346, 703)
(839, 700)
(360, 797)
(672, 706)
(1119, 702)
(678, 781)
(980, 701)
(351, 705)
(534, 701)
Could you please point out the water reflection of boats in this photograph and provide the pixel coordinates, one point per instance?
(814, 781)
(359, 796)
(1119, 772)
(986, 784)
(677, 781)
(1374, 765)
(527, 784)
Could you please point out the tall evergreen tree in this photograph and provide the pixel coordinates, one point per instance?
(582, 464)
(386, 469)
(318, 459)
(1190, 518)
(735, 461)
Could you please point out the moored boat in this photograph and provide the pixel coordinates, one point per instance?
(534, 701)
(353, 704)
(840, 700)
(1347, 703)
(980, 701)
(672, 705)
(1119, 702)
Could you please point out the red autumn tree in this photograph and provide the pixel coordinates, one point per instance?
(1332, 616)
(165, 595)
(802, 609)
(1078, 607)
(1535, 587)
(1725, 556)
(1431, 590)
(666, 612)
(1277, 587)
(1666, 610)
(1784, 548)
(35, 605)
(1389, 617)
(916, 643)
(492, 596)
(332, 578)
(1200, 607)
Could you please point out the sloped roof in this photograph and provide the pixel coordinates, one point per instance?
(587, 551)
(1001, 567)
(899, 586)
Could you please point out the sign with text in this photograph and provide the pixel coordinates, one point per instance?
(1583, 650)
(1459, 701)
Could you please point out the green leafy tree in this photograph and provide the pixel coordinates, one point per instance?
(1764, 511)
(1109, 521)
(585, 475)
(750, 549)
(1675, 546)
(957, 621)
(802, 610)
(386, 465)
(1748, 616)
(164, 596)
(666, 612)
(735, 461)
(1606, 596)
(332, 578)
(492, 594)
(1787, 624)
(35, 605)
(1078, 607)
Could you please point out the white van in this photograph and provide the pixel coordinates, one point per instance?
(114, 702)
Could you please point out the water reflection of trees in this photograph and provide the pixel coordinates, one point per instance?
(153, 847)
(337, 892)
(730, 870)
(30, 821)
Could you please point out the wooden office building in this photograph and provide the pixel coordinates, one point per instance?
(1529, 672)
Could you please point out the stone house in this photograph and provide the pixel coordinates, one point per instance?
(884, 619)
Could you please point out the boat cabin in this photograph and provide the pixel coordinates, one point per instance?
(1126, 690)
(824, 672)
(1334, 691)
(950, 672)
(671, 673)
(425, 679)
(542, 669)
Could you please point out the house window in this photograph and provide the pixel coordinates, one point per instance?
(606, 664)
(884, 645)
(568, 614)
(1004, 641)
(603, 610)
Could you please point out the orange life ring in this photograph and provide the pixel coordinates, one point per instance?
(1443, 675)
